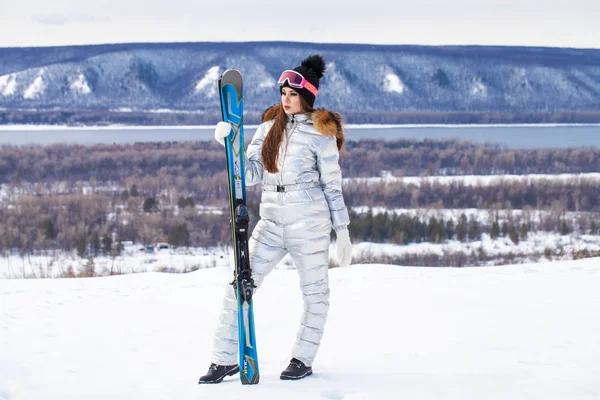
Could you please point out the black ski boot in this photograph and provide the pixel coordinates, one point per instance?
(216, 373)
(296, 370)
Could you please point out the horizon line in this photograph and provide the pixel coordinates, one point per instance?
(283, 42)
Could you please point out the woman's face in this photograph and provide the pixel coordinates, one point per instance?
(290, 100)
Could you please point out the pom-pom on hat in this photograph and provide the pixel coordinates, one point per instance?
(312, 69)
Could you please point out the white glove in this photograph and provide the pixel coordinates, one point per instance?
(222, 131)
(344, 247)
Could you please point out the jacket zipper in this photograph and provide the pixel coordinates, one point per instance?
(287, 141)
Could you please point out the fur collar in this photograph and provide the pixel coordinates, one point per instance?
(329, 123)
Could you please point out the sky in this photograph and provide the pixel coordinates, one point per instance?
(555, 23)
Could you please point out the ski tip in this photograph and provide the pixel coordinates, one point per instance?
(230, 73)
(231, 83)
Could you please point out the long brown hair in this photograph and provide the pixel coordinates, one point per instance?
(270, 147)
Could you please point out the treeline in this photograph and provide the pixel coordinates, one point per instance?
(110, 163)
(578, 194)
(180, 163)
(88, 117)
(402, 228)
(91, 198)
(409, 157)
(573, 195)
(99, 223)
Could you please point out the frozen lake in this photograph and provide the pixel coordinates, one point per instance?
(513, 136)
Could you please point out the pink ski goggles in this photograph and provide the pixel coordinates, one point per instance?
(295, 80)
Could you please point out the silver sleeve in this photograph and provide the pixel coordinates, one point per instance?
(253, 161)
(331, 182)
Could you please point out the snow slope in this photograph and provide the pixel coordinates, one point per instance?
(514, 332)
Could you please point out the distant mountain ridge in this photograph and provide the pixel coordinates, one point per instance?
(361, 80)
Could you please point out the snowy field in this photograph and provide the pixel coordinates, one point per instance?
(514, 332)
(503, 246)
(55, 264)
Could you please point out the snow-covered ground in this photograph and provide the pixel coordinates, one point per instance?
(536, 243)
(135, 259)
(513, 332)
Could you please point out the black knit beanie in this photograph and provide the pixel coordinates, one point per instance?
(312, 69)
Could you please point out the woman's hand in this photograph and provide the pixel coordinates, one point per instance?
(222, 131)
(344, 247)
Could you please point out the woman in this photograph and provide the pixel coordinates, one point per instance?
(294, 154)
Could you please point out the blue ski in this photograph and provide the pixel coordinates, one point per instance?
(232, 108)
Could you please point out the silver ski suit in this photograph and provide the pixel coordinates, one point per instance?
(299, 206)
